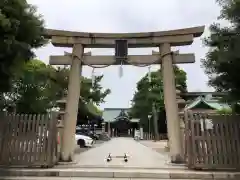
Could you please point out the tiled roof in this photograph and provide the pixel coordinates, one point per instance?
(110, 114)
(215, 104)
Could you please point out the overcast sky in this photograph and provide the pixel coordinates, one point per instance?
(129, 16)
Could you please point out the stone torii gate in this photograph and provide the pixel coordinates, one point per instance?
(164, 40)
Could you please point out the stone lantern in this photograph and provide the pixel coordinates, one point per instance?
(181, 102)
(181, 105)
(62, 105)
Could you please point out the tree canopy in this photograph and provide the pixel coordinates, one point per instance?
(152, 92)
(90, 91)
(32, 90)
(38, 86)
(222, 62)
(21, 30)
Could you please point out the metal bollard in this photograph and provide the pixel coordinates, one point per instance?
(125, 158)
(109, 158)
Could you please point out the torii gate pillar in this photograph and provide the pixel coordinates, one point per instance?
(70, 116)
(171, 108)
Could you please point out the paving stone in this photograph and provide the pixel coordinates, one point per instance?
(64, 178)
(220, 175)
(122, 173)
(134, 175)
(86, 173)
(235, 175)
(193, 175)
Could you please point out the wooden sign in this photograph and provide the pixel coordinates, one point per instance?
(121, 49)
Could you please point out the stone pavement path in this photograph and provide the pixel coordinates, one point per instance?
(159, 146)
(76, 178)
(140, 155)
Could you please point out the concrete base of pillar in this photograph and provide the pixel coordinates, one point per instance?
(67, 163)
(68, 159)
(177, 159)
(166, 148)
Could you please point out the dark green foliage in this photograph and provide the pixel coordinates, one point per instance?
(222, 62)
(21, 31)
(38, 86)
(152, 92)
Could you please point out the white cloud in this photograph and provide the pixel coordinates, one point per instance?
(129, 16)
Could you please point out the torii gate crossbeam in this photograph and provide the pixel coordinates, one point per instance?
(132, 59)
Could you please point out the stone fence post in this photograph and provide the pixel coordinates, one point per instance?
(60, 127)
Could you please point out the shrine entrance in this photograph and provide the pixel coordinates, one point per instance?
(122, 128)
(164, 40)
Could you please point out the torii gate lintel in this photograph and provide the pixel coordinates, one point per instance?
(88, 59)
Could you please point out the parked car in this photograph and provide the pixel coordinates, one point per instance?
(83, 141)
(87, 132)
(93, 135)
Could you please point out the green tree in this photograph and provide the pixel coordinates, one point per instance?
(38, 86)
(32, 90)
(90, 91)
(21, 31)
(222, 62)
(152, 92)
(92, 94)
